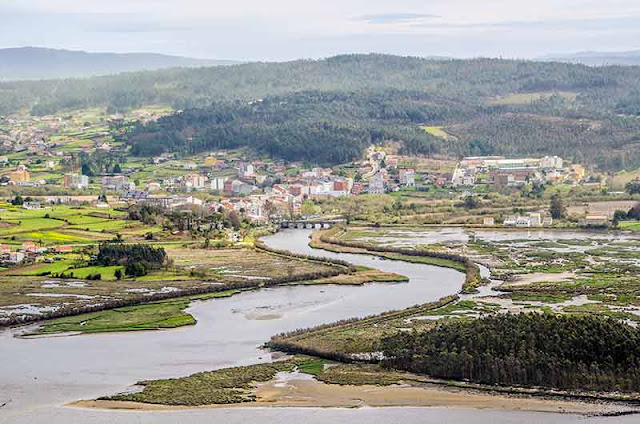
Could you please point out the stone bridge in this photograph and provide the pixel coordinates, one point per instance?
(311, 224)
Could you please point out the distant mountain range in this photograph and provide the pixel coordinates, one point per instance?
(42, 63)
(598, 58)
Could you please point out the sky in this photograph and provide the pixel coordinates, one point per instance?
(277, 30)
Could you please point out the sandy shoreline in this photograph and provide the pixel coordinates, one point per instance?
(312, 393)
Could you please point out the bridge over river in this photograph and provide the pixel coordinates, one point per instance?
(311, 224)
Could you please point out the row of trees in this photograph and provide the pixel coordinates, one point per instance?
(567, 352)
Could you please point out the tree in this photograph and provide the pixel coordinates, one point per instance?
(557, 208)
(136, 269)
(470, 202)
(117, 169)
(634, 213)
(118, 274)
(17, 201)
(619, 216)
(633, 187)
(86, 170)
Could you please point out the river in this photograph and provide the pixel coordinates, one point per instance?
(39, 376)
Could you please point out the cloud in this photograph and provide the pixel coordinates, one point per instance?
(395, 18)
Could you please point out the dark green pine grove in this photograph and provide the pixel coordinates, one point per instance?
(110, 254)
(564, 352)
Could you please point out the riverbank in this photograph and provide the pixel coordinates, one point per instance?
(285, 391)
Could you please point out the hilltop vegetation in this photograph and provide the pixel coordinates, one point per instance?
(326, 110)
(322, 127)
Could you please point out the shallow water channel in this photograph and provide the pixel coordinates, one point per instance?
(39, 376)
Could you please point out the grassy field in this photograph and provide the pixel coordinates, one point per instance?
(630, 225)
(61, 224)
(620, 179)
(438, 132)
(150, 316)
(225, 386)
(526, 98)
(239, 264)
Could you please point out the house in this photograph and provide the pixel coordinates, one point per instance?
(532, 220)
(19, 175)
(29, 246)
(577, 172)
(117, 183)
(64, 249)
(194, 182)
(407, 177)
(105, 147)
(440, 182)
(357, 188)
(535, 220)
(14, 257)
(4, 248)
(217, 183)
(246, 170)
(76, 181)
(134, 196)
(488, 221)
(595, 221)
(341, 187)
(31, 205)
(376, 184)
(551, 162)
(153, 186)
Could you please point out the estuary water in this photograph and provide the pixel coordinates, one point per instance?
(39, 376)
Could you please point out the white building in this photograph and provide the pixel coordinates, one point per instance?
(407, 177)
(76, 181)
(376, 184)
(117, 183)
(217, 183)
(195, 182)
(551, 162)
(532, 220)
(246, 170)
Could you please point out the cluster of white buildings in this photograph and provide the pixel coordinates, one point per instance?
(500, 171)
(528, 221)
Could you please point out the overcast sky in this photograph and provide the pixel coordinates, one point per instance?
(290, 29)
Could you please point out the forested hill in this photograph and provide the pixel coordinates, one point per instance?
(320, 127)
(470, 81)
(39, 63)
(337, 105)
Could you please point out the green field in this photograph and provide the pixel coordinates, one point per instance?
(630, 225)
(61, 224)
(149, 316)
(526, 98)
(437, 132)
